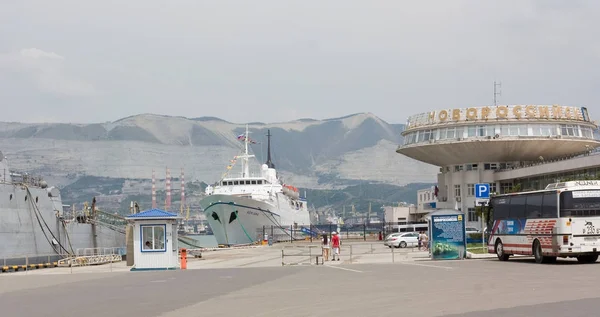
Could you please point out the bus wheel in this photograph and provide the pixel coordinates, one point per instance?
(500, 251)
(537, 252)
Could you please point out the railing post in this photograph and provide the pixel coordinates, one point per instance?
(350, 253)
(364, 231)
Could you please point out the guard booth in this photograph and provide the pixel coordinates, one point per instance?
(447, 236)
(155, 242)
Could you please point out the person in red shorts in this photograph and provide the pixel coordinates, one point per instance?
(335, 244)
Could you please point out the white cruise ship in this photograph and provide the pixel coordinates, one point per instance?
(238, 208)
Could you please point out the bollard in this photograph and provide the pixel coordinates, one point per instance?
(393, 255)
(350, 253)
(183, 258)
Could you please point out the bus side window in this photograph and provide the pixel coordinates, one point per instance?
(534, 206)
(501, 207)
(517, 210)
(550, 206)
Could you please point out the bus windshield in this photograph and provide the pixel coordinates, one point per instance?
(580, 203)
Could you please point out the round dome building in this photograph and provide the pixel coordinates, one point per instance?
(471, 144)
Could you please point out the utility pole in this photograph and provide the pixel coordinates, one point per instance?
(497, 92)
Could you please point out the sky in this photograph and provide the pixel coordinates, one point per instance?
(270, 61)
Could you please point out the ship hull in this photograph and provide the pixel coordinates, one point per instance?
(30, 228)
(236, 220)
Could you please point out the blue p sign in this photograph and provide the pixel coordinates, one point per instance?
(482, 191)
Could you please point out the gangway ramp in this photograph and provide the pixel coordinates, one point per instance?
(91, 256)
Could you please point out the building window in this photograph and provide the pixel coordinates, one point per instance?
(493, 188)
(458, 168)
(471, 190)
(471, 167)
(505, 187)
(471, 215)
(154, 238)
(568, 129)
(451, 133)
(456, 190)
(471, 131)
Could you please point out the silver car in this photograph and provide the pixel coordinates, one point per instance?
(402, 239)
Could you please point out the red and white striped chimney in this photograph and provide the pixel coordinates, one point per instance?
(182, 191)
(153, 190)
(168, 181)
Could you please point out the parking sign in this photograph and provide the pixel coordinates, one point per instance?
(482, 191)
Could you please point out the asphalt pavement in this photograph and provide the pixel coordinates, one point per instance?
(492, 288)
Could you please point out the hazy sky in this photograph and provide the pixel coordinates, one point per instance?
(96, 61)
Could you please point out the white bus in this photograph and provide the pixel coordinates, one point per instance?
(562, 220)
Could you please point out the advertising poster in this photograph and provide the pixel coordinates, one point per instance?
(448, 237)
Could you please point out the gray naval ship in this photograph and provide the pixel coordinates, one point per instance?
(34, 226)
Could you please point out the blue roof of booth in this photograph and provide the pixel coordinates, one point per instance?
(154, 214)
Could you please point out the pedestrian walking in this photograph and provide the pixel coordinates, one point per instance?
(335, 242)
(325, 247)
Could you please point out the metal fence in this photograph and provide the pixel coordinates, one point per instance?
(354, 252)
(360, 232)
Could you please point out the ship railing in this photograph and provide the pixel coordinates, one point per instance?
(30, 261)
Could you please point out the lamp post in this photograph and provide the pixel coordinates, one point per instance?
(483, 205)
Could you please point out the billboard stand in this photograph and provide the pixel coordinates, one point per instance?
(448, 237)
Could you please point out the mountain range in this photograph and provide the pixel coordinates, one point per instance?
(309, 153)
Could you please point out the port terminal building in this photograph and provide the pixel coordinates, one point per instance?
(529, 146)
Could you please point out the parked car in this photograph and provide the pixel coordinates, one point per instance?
(402, 239)
(471, 230)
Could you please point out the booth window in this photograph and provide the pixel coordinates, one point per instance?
(153, 238)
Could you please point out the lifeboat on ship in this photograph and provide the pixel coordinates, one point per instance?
(291, 191)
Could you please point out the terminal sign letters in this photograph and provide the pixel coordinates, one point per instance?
(514, 112)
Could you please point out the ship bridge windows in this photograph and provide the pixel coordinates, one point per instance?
(243, 182)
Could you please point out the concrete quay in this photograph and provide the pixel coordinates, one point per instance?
(253, 282)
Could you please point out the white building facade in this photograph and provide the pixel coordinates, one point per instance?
(426, 200)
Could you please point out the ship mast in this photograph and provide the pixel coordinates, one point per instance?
(245, 157)
(269, 162)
